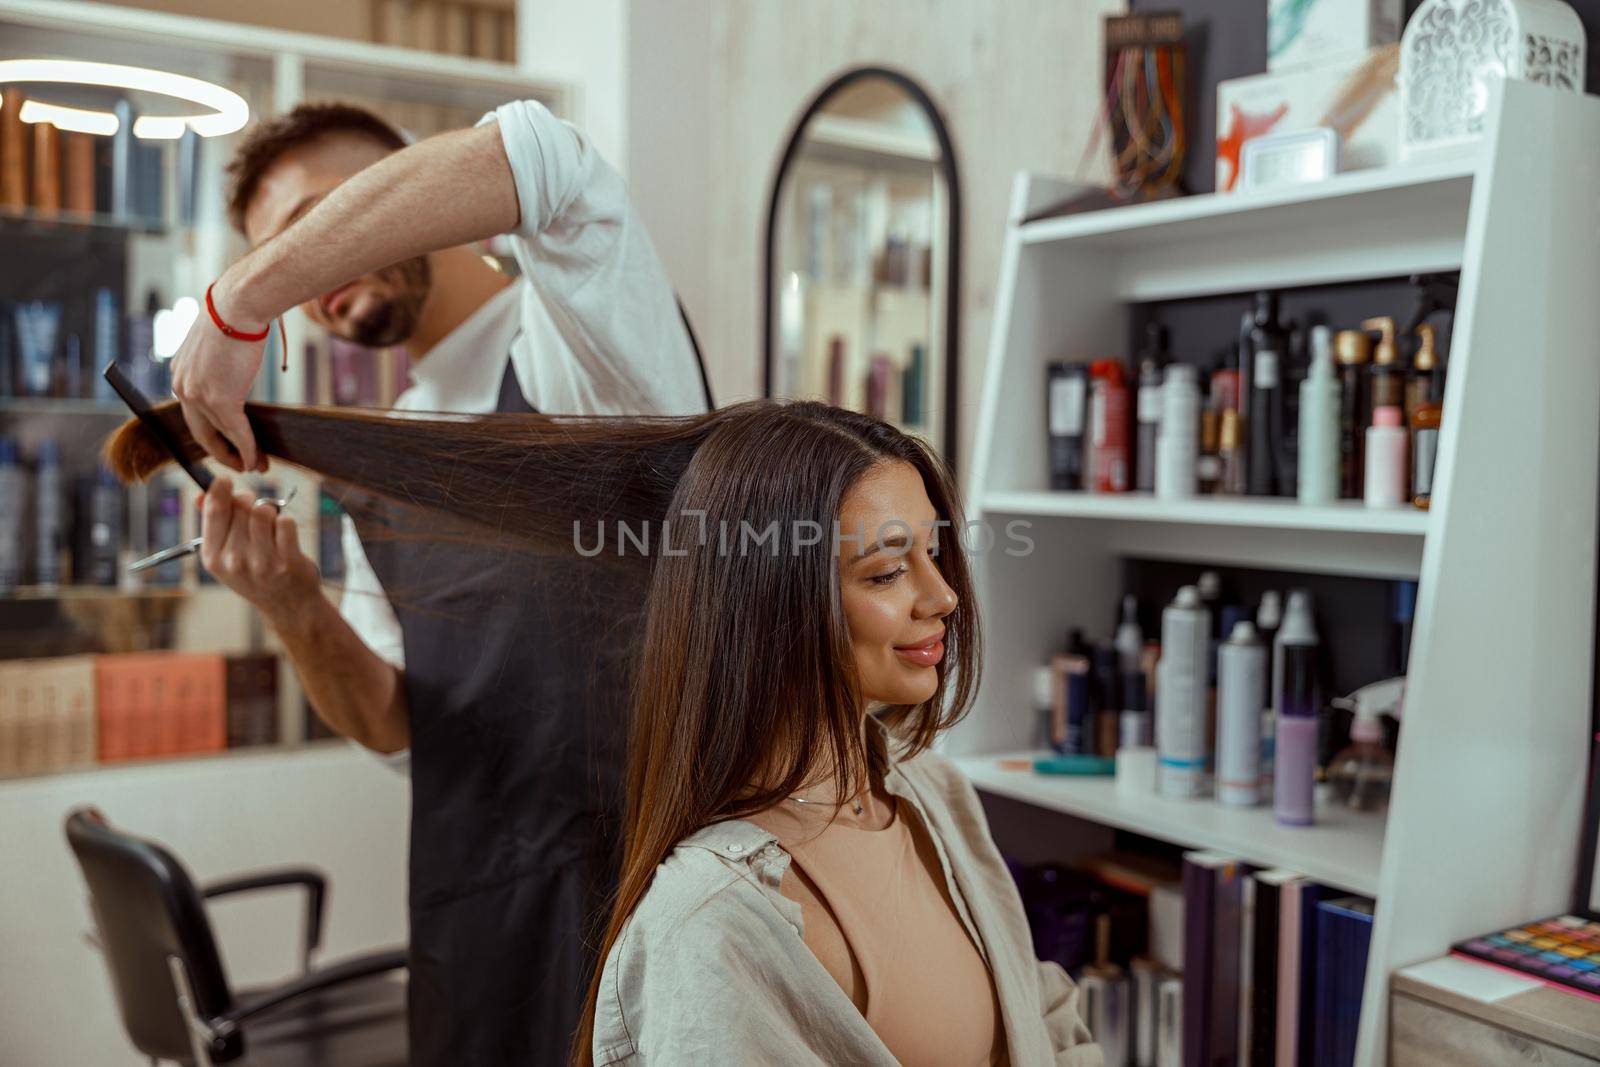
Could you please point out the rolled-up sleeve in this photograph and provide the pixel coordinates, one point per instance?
(588, 256)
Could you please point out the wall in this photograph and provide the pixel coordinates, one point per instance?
(583, 42)
(1015, 82)
(669, 121)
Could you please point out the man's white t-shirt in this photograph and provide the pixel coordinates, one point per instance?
(591, 328)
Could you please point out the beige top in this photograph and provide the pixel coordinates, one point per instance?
(713, 967)
(879, 919)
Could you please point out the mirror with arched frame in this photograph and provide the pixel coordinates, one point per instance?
(862, 256)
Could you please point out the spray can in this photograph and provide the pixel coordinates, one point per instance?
(1178, 441)
(1182, 740)
(48, 525)
(1241, 679)
(1296, 764)
(1108, 427)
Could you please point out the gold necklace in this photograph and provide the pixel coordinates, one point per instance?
(855, 801)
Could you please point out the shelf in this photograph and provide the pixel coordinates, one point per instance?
(1350, 516)
(178, 33)
(34, 220)
(50, 405)
(279, 750)
(850, 135)
(1384, 223)
(1343, 850)
(1257, 532)
(95, 592)
(1382, 192)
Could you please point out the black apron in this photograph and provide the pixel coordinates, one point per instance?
(516, 676)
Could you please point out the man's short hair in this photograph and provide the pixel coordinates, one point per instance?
(270, 139)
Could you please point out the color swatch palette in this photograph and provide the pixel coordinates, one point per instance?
(1562, 951)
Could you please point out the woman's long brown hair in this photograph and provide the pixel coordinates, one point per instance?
(745, 689)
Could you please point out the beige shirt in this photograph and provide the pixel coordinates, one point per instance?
(713, 968)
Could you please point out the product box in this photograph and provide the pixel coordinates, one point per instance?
(1357, 99)
(252, 700)
(160, 704)
(47, 718)
(1314, 33)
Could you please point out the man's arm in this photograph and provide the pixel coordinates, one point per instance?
(439, 193)
(256, 552)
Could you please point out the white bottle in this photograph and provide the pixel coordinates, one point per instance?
(1298, 628)
(1183, 736)
(1319, 424)
(1386, 460)
(1129, 640)
(1178, 440)
(1241, 680)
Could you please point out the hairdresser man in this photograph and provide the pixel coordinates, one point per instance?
(459, 653)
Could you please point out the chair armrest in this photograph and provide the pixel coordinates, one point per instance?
(316, 886)
(323, 978)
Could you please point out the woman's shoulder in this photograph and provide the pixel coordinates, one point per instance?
(705, 929)
(933, 772)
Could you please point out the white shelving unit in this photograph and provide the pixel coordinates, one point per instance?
(1486, 808)
(1345, 852)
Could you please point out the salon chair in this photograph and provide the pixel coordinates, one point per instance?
(173, 994)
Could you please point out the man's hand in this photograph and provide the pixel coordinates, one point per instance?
(255, 551)
(211, 375)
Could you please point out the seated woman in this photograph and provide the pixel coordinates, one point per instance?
(803, 880)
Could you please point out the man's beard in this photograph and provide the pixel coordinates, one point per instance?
(393, 320)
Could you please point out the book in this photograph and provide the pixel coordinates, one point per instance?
(47, 717)
(1260, 1026)
(1344, 932)
(1297, 953)
(1213, 900)
(153, 704)
(252, 700)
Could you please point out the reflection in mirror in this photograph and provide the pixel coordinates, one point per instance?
(860, 272)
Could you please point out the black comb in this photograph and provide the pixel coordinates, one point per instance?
(145, 412)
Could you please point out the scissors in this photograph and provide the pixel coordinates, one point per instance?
(144, 411)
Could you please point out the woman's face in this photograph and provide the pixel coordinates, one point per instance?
(895, 599)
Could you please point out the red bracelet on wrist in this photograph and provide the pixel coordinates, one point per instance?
(237, 335)
(240, 335)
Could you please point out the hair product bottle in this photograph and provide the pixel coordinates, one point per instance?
(1230, 455)
(1269, 345)
(48, 525)
(1108, 427)
(1178, 443)
(1241, 681)
(1148, 406)
(836, 370)
(1425, 420)
(1385, 433)
(1386, 459)
(1296, 760)
(1182, 741)
(1319, 424)
(1354, 349)
(1424, 372)
(1066, 400)
(12, 496)
(911, 387)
